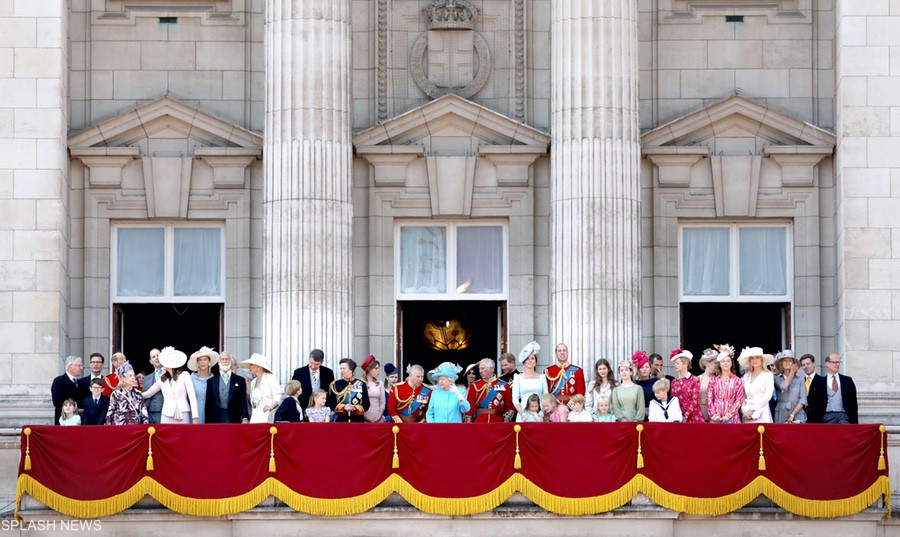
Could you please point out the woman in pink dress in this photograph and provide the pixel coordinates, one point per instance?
(686, 387)
(726, 390)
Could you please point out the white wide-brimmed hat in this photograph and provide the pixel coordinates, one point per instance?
(257, 359)
(172, 358)
(744, 358)
(681, 353)
(204, 351)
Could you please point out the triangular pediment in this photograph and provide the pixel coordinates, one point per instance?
(451, 118)
(162, 120)
(737, 125)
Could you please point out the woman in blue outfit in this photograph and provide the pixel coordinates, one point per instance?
(447, 403)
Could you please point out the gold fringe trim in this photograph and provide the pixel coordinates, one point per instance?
(880, 489)
(395, 461)
(27, 432)
(457, 506)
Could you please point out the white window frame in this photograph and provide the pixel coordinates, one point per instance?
(734, 275)
(168, 295)
(451, 228)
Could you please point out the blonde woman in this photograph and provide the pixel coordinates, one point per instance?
(265, 392)
(628, 398)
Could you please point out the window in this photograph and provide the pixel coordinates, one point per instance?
(451, 261)
(167, 264)
(737, 262)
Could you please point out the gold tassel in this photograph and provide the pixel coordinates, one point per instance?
(395, 462)
(150, 431)
(640, 456)
(517, 462)
(762, 457)
(27, 432)
(272, 431)
(882, 465)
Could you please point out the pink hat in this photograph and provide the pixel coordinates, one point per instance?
(639, 358)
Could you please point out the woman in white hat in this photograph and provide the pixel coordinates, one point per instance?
(179, 399)
(686, 387)
(265, 394)
(759, 385)
(791, 390)
(201, 363)
(447, 403)
(529, 381)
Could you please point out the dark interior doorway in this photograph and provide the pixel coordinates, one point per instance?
(741, 324)
(187, 327)
(430, 332)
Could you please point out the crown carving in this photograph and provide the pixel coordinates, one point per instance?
(451, 14)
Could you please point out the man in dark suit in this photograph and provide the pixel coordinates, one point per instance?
(95, 405)
(832, 397)
(155, 402)
(96, 362)
(314, 375)
(226, 395)
(67, 386)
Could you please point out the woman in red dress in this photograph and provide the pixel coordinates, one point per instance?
(686, 387)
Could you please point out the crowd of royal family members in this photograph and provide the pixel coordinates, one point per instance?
(183, 389)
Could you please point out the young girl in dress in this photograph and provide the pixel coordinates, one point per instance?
(553, 411)
(317, 411)
(69, 416)
(578, 413)
(532, 409)
(603, 414)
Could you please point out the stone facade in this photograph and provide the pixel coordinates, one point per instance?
(591, 134)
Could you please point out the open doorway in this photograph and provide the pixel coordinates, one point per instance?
(742, 324)
(137, 328)
(462, 332)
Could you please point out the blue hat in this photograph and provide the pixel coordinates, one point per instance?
(446, 369)
(390, 369)
(528, 350)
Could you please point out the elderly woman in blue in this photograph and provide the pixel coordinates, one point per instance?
(447, 403)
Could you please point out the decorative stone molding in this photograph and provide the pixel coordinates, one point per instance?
(105, 164)
(520, 60)
(513, 163)
(692, 11)
(674, 163)
(451, 180)
(736, 185)
(167, 181)
(451, 15)
(381, 59)
(229, 164)
(798, 163)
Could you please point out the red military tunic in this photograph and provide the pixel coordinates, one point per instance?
(489, 401)
(407, 404)
(564, 382)
(110, 383)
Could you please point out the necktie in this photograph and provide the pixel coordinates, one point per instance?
(834, 383)
(226, 377)
(315, 377)
(808, 381)
(96, 401)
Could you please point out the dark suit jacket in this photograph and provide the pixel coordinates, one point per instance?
(94, 414)
(63, 388)
(287, 411)
(153, 404)
(326, 377)
(818, 398)
(237, 399)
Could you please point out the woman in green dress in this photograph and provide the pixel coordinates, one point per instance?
(628, 398)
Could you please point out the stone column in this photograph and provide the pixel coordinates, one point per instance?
(595, 250)
(307, 204)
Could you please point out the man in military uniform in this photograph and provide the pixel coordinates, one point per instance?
(408, 401)
(564, 379)
(490, 399)
(348, 396)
